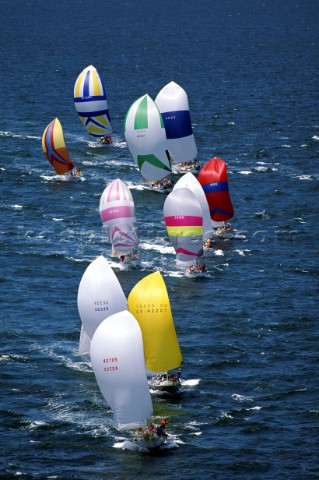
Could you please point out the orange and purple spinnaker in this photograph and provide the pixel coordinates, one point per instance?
(53, 146)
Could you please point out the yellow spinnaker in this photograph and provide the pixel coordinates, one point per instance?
(150, 305)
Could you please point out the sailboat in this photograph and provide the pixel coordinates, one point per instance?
(172, 102)
(117, 358)
(54, 148)
(146, 140)
(148, 301)
(183, 218)
(214, 181)
(117, 213)
(190, 181)
(91, 104)
(99, 296)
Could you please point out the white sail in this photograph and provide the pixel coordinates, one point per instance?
(99, 296)
(117, 357)
(146, 139)
(118, 217)
(172, 102)
(190, 181)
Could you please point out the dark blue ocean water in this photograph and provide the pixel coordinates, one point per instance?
(248, 408)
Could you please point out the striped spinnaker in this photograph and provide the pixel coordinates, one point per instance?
(117, 212)
(91, 103)
(54, 148)
(214, 181)
(184, 223)
(146, 139)
(172, 102)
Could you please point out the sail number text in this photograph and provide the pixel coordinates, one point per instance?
(150, 308)
(101, 305)
(110, 364)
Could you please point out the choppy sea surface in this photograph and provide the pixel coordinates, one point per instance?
(248, 407)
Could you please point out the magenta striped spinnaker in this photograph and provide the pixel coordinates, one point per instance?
(117, 212)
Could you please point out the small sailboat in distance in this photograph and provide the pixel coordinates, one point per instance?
(99, 296)
(172, 102)
(146, 140)
(148, 301)
(91, 104)
(117, 212)
(214, 181)
(54, 149)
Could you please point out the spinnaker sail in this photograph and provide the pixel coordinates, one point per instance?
(54, 148)
(117, 358)
(184, 223)
(214, 181)
(91, 103)
(190, 181)
(117, 212)
(146, 139)
(99, 296)
(172, 102)
(148, 301)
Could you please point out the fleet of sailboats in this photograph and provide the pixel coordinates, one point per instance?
(132, 342)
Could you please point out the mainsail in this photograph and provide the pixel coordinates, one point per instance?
(99, 296)
(214, 181)
(150, 305)
(91, 103)
(117, 358)
(172, 102)
(184, 223)
(146, 139)
(118, 217)
(190, 181)
(54, 148)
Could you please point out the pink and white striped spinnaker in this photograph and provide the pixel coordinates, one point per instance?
(118, 217)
